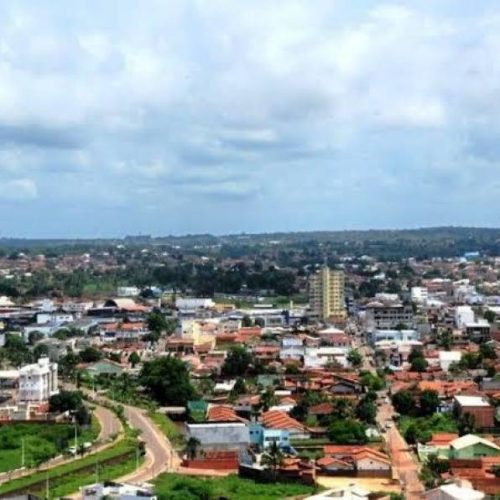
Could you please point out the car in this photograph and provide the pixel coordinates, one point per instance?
(388, 425)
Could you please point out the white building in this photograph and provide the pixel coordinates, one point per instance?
(446, 358)
(193, 303)
(127, 291)
(37, 382)
(116, 491)
(419, 294)
(460, 490)
(463, 315)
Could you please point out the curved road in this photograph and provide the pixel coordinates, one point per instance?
(160, 455)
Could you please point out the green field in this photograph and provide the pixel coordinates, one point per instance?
(42, 441)
(175, 486)
(67, 478)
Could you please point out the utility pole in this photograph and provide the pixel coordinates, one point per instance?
(76, 439)
(23, 457)
(137, 457)
(47, 487)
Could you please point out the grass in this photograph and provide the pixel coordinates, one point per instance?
(72, 472)
(42, 441)
(175, 486)
(169, 428)
(439, 422)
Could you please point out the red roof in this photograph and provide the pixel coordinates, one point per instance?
(221, 413)
(442, 438)
(276, 419)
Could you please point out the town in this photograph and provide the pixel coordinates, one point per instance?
(254, 367)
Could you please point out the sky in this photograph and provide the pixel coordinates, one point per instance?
(222, 116)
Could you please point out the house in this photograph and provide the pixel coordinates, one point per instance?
(471, 446)
(439, 445)
(365, 461)
(460, 490)
(343, 386)
(220, 435)
(351, 492)
(116, 491)
(223, 413)
(275, 419)
(478, 407)
(264, 437)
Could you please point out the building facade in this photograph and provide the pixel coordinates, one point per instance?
(37, 382)
(327, 293)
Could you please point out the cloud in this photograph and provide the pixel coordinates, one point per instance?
(323, 113)
(18, 190)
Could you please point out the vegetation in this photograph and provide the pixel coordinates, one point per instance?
(354, 357)
(347, 431)
(178, 487)
(166, 379)
(420, 429)
(237, 361)
(40, 442)
(169, 428)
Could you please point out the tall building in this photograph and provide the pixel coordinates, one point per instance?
(327, 294)
(37, 382)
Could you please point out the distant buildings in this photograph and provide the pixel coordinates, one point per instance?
(327, 294)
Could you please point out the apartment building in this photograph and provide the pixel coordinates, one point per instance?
(38, 381)
(327, 293)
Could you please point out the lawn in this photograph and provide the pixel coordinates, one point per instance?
(41, 442)
(439, 422)
(67, 478)
(169, 428)
(175, 486)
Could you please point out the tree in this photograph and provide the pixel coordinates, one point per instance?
(354, 357)
(403, 402)
(40, 351)
(239, 387)
(487, 351)
(237, 361)
(419, 365)
(415, 354)
(65, 401)
(246, 321)
(192, 446)
(67, 364)
(167, 380)
(343, 408)
(268, 399)
(429, 402)
(16, 351)
(347, 431)
(90, 355)
(273, 459)
(466, 424)
(157, 322)
(489, 316)
(134, 359)
(366, 411)
(35, 336)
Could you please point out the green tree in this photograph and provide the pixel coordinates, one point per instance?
(134, 359)
(487, 351)
(429, 402)
(347, 431)
(192, 446)
(16, 351)
(489, 316)
(90, 355)
(239, 387)
(354, 357)
(403, 402)
(366, 410)
(35, 336)
(167, 380)
(419, 365)
(466, 424)
(273, 459)
(246, 321)
(268, 399)
(237, 361)
(157, 322)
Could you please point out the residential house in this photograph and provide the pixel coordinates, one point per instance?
(471, 446)
(220, 435)
(482, 411)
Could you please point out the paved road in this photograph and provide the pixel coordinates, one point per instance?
(160, 455)
(110, 424)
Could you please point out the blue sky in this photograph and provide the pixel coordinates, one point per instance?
(216, 116)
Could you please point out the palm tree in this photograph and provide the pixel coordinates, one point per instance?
(192, 446)
(273, 458)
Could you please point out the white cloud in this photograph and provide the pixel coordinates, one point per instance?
(18, 190)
